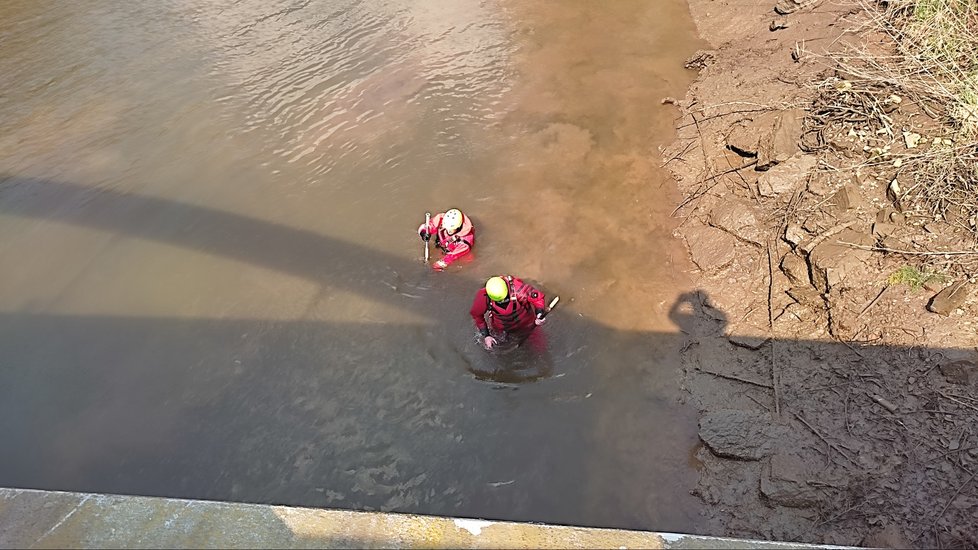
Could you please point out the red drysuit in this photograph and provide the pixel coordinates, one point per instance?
(455, 245)
(515, 315)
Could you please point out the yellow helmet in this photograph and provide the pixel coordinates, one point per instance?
(497, 289)
(452, 220)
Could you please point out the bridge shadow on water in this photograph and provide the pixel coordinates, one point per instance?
(327, 413)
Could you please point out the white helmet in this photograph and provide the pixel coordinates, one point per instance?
(452, 220)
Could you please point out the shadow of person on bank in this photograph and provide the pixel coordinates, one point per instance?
(694, 316)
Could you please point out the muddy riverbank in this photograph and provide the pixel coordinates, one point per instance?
(835, 382)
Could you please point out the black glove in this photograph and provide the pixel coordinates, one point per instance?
(425, 236)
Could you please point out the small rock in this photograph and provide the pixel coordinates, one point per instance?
(911, 139)
(668, 100)
(832, 262)
(742, 435)
(794, 234)
(739, 219)
(846, 198)
(710, 248)
(820, 185)
(894, 192)
(883, 229)
(897, 218)
(780, 142)
(700, 59)
(778, 24)
(883, 214)
(892, 103)
(787, 176)
(743, 140)
(958, 372)
(786, 7)
(795, 268)
(949, 299)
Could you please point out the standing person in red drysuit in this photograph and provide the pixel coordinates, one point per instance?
(513, 309)
(454, 234)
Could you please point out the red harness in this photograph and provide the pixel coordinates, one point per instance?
(513, 315)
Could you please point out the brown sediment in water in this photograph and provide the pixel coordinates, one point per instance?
(211, 272)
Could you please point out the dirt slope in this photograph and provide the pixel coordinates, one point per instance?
(838, 400)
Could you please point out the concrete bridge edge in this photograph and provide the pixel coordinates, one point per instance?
(54, 519)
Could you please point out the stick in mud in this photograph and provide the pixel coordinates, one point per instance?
(822, 437)
(735, 378)
(883, 402)
(911, 252)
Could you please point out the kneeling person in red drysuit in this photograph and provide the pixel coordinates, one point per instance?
(453, 233)
(513, 308)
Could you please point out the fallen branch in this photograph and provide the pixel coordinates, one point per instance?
(735, 378)
(959, 402)
(873, 302)
(950, 500)
(715, 177)
(678, 155)
(718, 115)
(911, 252)
(827, 442)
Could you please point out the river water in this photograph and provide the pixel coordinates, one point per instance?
(211, 286)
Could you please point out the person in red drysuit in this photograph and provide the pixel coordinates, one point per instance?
(453, 232)
(513, 308)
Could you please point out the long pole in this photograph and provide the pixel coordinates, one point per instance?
(427, 222)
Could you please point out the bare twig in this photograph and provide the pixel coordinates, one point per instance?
(775, 378)
(827, 442)
(958, 401)
(678, 155)
(715, 181)
(911, 252)
(873, 302)
(736, 378)
(954, 496)
(770, 288)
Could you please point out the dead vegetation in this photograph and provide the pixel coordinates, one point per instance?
(908, 100)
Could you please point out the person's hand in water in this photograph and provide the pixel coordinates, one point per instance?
(489, 342)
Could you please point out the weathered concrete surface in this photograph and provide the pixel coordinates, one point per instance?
(45, 519)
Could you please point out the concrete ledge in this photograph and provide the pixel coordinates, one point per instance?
(48, 519)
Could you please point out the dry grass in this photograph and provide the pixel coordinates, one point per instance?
(942, 38)
(930, 61)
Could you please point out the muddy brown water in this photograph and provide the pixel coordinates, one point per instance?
(211, 286)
